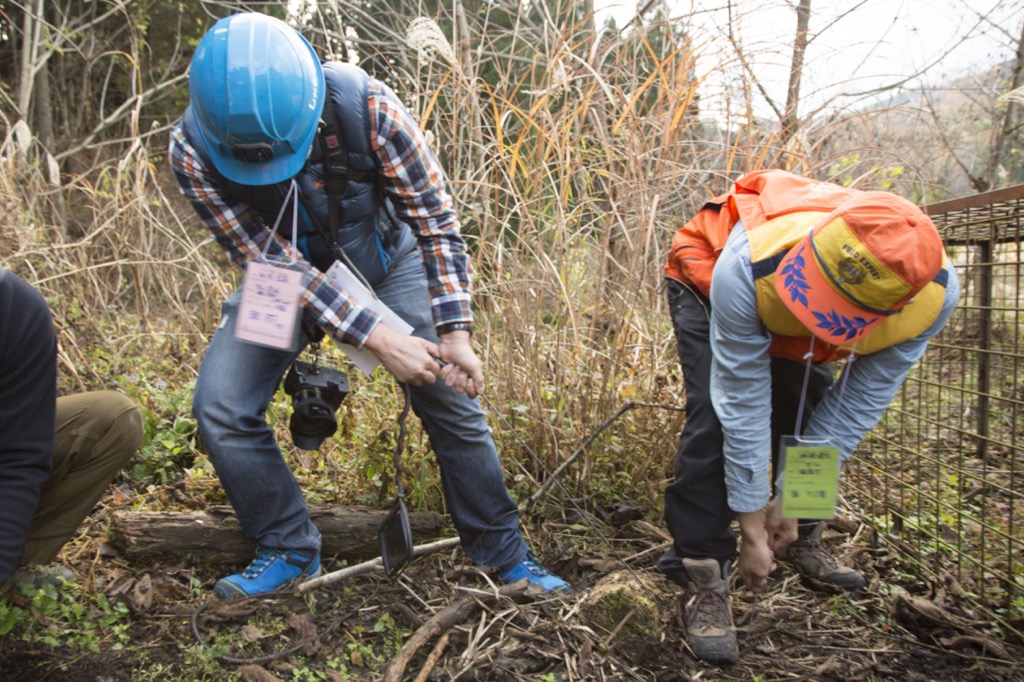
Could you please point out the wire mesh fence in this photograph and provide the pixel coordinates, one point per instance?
(942, 475)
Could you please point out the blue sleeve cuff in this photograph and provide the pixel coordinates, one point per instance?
(747, 490)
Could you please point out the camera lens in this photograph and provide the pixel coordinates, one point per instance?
(316, 393)
(312, 419)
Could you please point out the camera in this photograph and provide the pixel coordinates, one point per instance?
(316, 394)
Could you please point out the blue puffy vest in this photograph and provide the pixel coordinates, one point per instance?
(368, 233)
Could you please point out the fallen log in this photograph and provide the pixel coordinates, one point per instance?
(214, 536)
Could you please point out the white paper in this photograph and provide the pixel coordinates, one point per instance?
(345, 279)
(269, 309)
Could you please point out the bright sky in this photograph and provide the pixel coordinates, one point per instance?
(857, 45)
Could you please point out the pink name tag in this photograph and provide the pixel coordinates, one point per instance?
(269, 312)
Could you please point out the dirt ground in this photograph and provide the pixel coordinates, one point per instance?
(454, 627)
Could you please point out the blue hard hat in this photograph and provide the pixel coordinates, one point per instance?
(256, 91)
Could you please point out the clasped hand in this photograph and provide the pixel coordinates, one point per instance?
(763, 533)
(414, 361)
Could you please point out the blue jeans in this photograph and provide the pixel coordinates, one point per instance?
(236, 383)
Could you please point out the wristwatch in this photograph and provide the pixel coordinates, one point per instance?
(456, 327)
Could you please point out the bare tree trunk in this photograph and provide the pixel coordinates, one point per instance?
(34, 106)
(32, 27)
(589, 26)
(1002, 137)
(463, 45)
(42, 112)
(789, 116)
(42, 126)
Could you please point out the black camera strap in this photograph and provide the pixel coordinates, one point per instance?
(395, 532)
(337, 173)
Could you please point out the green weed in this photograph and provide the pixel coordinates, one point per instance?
(170, 444)
(65, 616)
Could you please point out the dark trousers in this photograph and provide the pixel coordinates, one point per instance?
(697, 512)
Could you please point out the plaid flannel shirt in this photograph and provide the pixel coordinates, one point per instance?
(412, 178)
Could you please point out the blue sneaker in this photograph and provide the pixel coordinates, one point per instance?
(531, 570)
(271, 570)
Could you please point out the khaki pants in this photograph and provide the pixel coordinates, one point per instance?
(97, 433)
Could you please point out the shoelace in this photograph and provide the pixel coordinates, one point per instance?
(263, 559)
(535, 568)
(709, 609)
(815, 547)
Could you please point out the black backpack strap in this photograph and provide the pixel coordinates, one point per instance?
(337, 172)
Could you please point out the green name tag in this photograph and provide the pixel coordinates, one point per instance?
(810, 480)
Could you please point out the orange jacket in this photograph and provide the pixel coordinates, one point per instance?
(756, 198)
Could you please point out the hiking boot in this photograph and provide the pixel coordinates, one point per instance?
(815, 564)
(536, 575)
(38, 575)
(271, 570)
(708, 613)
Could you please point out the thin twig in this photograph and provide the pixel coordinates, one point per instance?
(431, 662)
(625, 407)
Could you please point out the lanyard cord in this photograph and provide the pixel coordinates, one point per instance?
(293, 194)
(337, 251)
(798, 429)
(843, 378)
